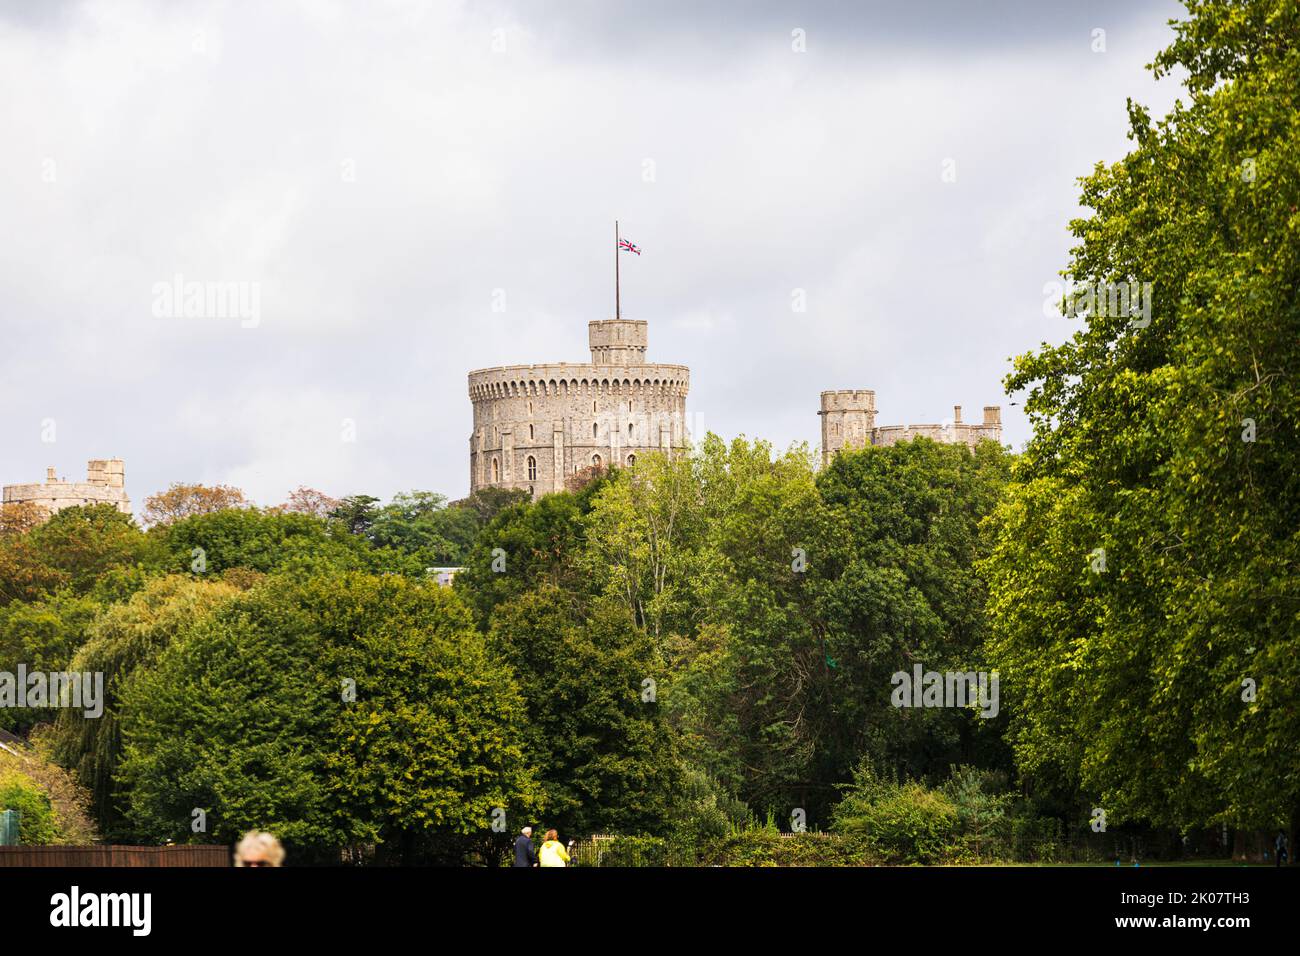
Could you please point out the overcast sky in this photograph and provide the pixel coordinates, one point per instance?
(382, 174)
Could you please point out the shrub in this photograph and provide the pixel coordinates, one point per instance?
(983, 807)
(37, 825)
(635, 851)
(53, 807)
(764, 846)
(1035, 839)
(904, 823)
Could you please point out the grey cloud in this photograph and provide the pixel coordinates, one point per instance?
(224, 159)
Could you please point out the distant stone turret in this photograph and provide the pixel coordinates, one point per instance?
(105, 484)
(849, 421)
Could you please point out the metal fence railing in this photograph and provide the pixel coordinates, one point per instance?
(607, 850)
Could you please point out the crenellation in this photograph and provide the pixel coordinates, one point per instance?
(105, 484)
(536, 425)
(849, 421)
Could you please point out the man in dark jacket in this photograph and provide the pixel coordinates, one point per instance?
(525, 855)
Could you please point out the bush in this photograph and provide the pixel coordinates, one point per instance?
(764, 846)
(1035, 839)
(904, 823)
(37, 825)
(635, 851)
(707, 811)
(53, 807)
(983, 813)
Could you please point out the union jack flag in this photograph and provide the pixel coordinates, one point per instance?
(625, 246)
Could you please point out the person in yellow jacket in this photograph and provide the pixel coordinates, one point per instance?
(552, 852)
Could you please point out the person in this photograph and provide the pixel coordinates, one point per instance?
(552, 852)
(525, 855)
(259, 848)
(1280, 853)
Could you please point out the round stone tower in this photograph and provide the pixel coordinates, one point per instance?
(536, 425)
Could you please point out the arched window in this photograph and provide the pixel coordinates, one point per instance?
(593, 404)
(532, 468)
(594, 428)
(629, 429)
(531, 436)
(595, 460)
(496, 469)
(530, 408)
(629, 404)
(631, 460)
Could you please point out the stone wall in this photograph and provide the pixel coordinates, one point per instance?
(105, 484)
(849, 421)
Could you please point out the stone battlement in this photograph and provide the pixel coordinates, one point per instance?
(849, 421)
(535, 426)
(105, 484)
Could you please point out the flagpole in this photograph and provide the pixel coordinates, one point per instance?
(618, 312)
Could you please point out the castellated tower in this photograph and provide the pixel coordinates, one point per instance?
(849, 421)
(105, 484)
(536, 425)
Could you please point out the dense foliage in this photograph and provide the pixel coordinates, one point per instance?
(1146, 563)
(669, 654)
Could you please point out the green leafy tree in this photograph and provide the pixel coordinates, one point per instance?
(125, 637)
(82, 548)
(606, 756)
(342, 710)
(271, 540)
(1145, 570)
(357, 513)
(525, 546)
(813, 590)
(42, 636)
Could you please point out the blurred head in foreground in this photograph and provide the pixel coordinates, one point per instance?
(259, 848)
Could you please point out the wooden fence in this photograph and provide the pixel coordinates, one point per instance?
(102, 856)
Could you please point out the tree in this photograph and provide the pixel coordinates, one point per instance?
(357, 513)
(811, 591)
(19, 517)
(338, 710)
(184, 500)
(266, 541)
(42, 635)
(415, 522)
(85, 547)
(123, 638)
(526, 545)
(309, 501)
(489, 502)
(640, 532)
(1147, 560)
(51, 806)
(606, 756)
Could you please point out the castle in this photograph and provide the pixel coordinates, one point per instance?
(105, 484)
(849, 421)
(537, 425)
